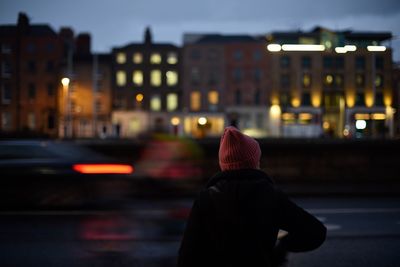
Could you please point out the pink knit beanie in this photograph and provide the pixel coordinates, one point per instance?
(238, 151)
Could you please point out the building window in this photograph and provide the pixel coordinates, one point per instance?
(379, 99)
(238, 55)
(237, 74)
(5, 69)
(257, 55)
(31, 66)
(339, 62)
(172, 101)
(195, 75)
(5, 93)
(285, 62)
(257, 97)
(121, 78)
(155, 103)
(238, 97)
(195, 54)
(379, 63)
(137, 58)
(172, 78)
(121, 58)
(51, 122)
(257, 75)
(378, 80)
(155, 78)
(195, 100)
(50, 89)
(328, 62)
(339, 80)
(306, 81)
(212, 54)
(31, 47)
(360, 63)
(360, 99)
(213, 77)
(6, 123)
(31, 91)
(137, 78)
(306, 99)
(31, 120)
(360, 80)
(50, 66)
(172, 58)
(285, 81)
(306, 62)
(284, 99)
(6, 49)
(155, 58)
(213, 99)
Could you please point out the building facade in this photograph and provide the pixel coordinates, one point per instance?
(335, 83)
(30, 60)
(146, 86)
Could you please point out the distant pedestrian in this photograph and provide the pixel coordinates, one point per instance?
(235, 220)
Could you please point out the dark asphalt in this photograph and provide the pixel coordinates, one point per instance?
(361, 232)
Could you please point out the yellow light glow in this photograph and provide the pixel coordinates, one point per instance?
(328, 79)
(65, 82)
(195, 100)
(202, 121)
(376, 48)
(346, 132)
(302, 47)
(378, 116)
(121, 58)
(288, 116)
(155, 58)
(316, 99)
(172, 78)
(155, 103)
(275, 111)
(172, 58)
(137, 58)
(362, 116)
(326, 125)
(296, 102)
(274, 47)
(213, 97)
(121, 78)
(155, 78)
(139, 97)
(387, 99)
(175, 121)
(137, 77)
(172, 101)
(369, 99)
(350, 100)
(305, 116)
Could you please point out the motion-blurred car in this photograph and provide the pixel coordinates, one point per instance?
(55, 174)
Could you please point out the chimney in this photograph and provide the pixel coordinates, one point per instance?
(147, 36)
(82, 44)
(23, 22)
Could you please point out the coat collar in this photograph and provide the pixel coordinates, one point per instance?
(242, 174)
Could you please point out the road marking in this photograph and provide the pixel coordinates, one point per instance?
(354, 210)
(333, 227)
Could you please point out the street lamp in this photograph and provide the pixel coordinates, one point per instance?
(65, 82)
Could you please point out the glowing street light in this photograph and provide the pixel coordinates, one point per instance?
(65, 82)
(202, 121)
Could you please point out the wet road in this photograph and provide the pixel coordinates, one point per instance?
(361, 232)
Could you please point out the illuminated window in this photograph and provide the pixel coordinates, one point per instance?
(172, 102)
(31, 120)
(328, 79)
(172, 78)
(306, 80)
(155, 78)
(195, 100)
(6, 120)
(172, 58)
(155, 103)
(121, 78)
(137, 77)
(360, 81)
(339, 80)
(378, 80)
(213, 97)
(139, 97)
(137, 58)
(121, 58)
(155, 58)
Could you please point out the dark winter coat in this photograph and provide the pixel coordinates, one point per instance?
(235, 221)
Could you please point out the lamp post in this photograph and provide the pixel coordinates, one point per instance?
(65, 82)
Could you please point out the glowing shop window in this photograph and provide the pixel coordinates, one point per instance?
(155, 58)
(137, 58)
(155, 78)
(172, 58)
(155, 103)
(213, 97)
(172, 78)
(172, 102)
(195, 100)
(121, 58)
(121, 78)
(137, 77)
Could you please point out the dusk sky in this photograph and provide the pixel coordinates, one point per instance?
(118, 22)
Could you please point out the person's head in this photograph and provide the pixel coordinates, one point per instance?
(238, 151)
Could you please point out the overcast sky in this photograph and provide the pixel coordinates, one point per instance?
(118, 22)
